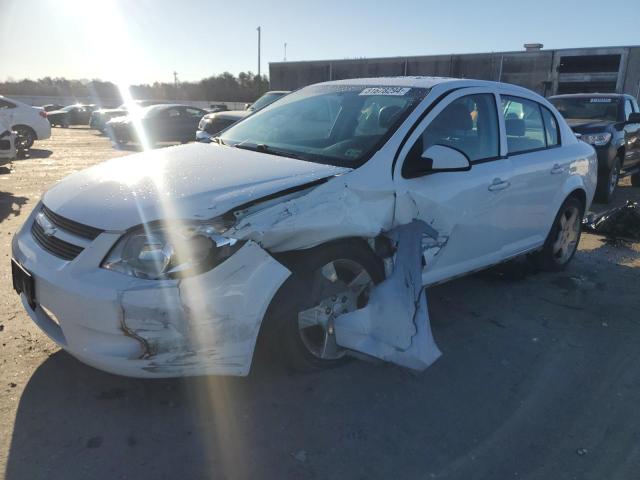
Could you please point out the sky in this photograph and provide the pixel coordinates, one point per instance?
(142, 41)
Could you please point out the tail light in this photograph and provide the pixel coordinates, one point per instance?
(43, 114)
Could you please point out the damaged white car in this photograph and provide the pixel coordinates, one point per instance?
(315, 223)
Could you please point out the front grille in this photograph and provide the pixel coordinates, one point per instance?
(53, 245)
(70, 226)
(217, 125)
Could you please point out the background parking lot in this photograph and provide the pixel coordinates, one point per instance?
(539, 378)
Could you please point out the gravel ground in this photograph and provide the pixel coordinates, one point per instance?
(539, 379)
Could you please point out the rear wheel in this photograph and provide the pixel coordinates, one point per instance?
(607, 184)
(25, 137)
(330, 281)
(562, 242)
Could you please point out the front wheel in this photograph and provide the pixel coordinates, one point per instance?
(608, 184)
(562, 242)
(330, 281)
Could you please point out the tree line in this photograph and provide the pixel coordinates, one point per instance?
(245, 87)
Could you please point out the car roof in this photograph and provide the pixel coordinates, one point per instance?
(590, 95)
(430, 82)
(417, 82)
(160, 106)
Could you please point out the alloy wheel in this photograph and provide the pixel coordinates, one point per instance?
(339, 287)
(568, 234)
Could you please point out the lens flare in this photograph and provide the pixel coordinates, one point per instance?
(212, 400)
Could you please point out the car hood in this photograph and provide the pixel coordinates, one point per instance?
(56, 112)
(229, 114)
(589, 126)
(195, 181)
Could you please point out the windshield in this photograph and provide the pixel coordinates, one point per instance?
(587, 108)
(337, 124)
(265, 100)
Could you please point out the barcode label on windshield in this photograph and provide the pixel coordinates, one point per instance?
(601, 100)
(396, 91)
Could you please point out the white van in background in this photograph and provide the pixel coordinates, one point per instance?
(29, 123)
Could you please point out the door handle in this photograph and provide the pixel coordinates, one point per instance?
(498, 184)
(557, 168)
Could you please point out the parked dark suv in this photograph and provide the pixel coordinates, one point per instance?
(611, 123)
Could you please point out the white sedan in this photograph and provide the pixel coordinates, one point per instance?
(7, 142)
(29, 123)
(314, 223)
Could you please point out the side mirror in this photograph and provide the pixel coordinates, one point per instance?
(445, 159)
(634, 117)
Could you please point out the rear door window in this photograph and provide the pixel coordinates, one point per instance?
(524, 126)
(550, 127)
(5, 104)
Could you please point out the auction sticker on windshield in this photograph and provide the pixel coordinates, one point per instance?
(398, 91)
(601, 100)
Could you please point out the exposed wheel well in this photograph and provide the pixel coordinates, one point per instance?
(581, 195)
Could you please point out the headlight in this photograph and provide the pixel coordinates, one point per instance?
(596, 138)
(157, 253)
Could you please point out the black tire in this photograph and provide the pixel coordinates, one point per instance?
(282, 330)
(549, 258)
(635, 180)
(608, 184)
(25, 137)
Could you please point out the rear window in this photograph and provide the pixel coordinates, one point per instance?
(6, 104)
(588, 108)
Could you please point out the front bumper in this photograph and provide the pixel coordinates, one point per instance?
(206, 324)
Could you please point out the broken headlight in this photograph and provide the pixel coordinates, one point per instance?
(157, 253)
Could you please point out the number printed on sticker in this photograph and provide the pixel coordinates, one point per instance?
(397, 91)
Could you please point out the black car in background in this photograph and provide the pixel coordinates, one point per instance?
(71, 115)
(611, 123)
(52, 106)
(159, 123)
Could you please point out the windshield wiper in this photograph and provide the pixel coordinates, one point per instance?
(262, 148)
(218, 140)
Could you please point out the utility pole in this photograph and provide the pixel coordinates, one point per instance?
(259, 32)
(285, 51)
(175, 79)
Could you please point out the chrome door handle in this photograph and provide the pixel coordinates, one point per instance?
(557, 168)
(498, 184)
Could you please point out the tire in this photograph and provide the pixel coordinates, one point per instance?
(562, 242)
(310, 290)
(635, 180)
(607, 184)
(25, 137)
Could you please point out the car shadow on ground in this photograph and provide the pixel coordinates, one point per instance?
(519, 348)
(10, 204)
(33, 153)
